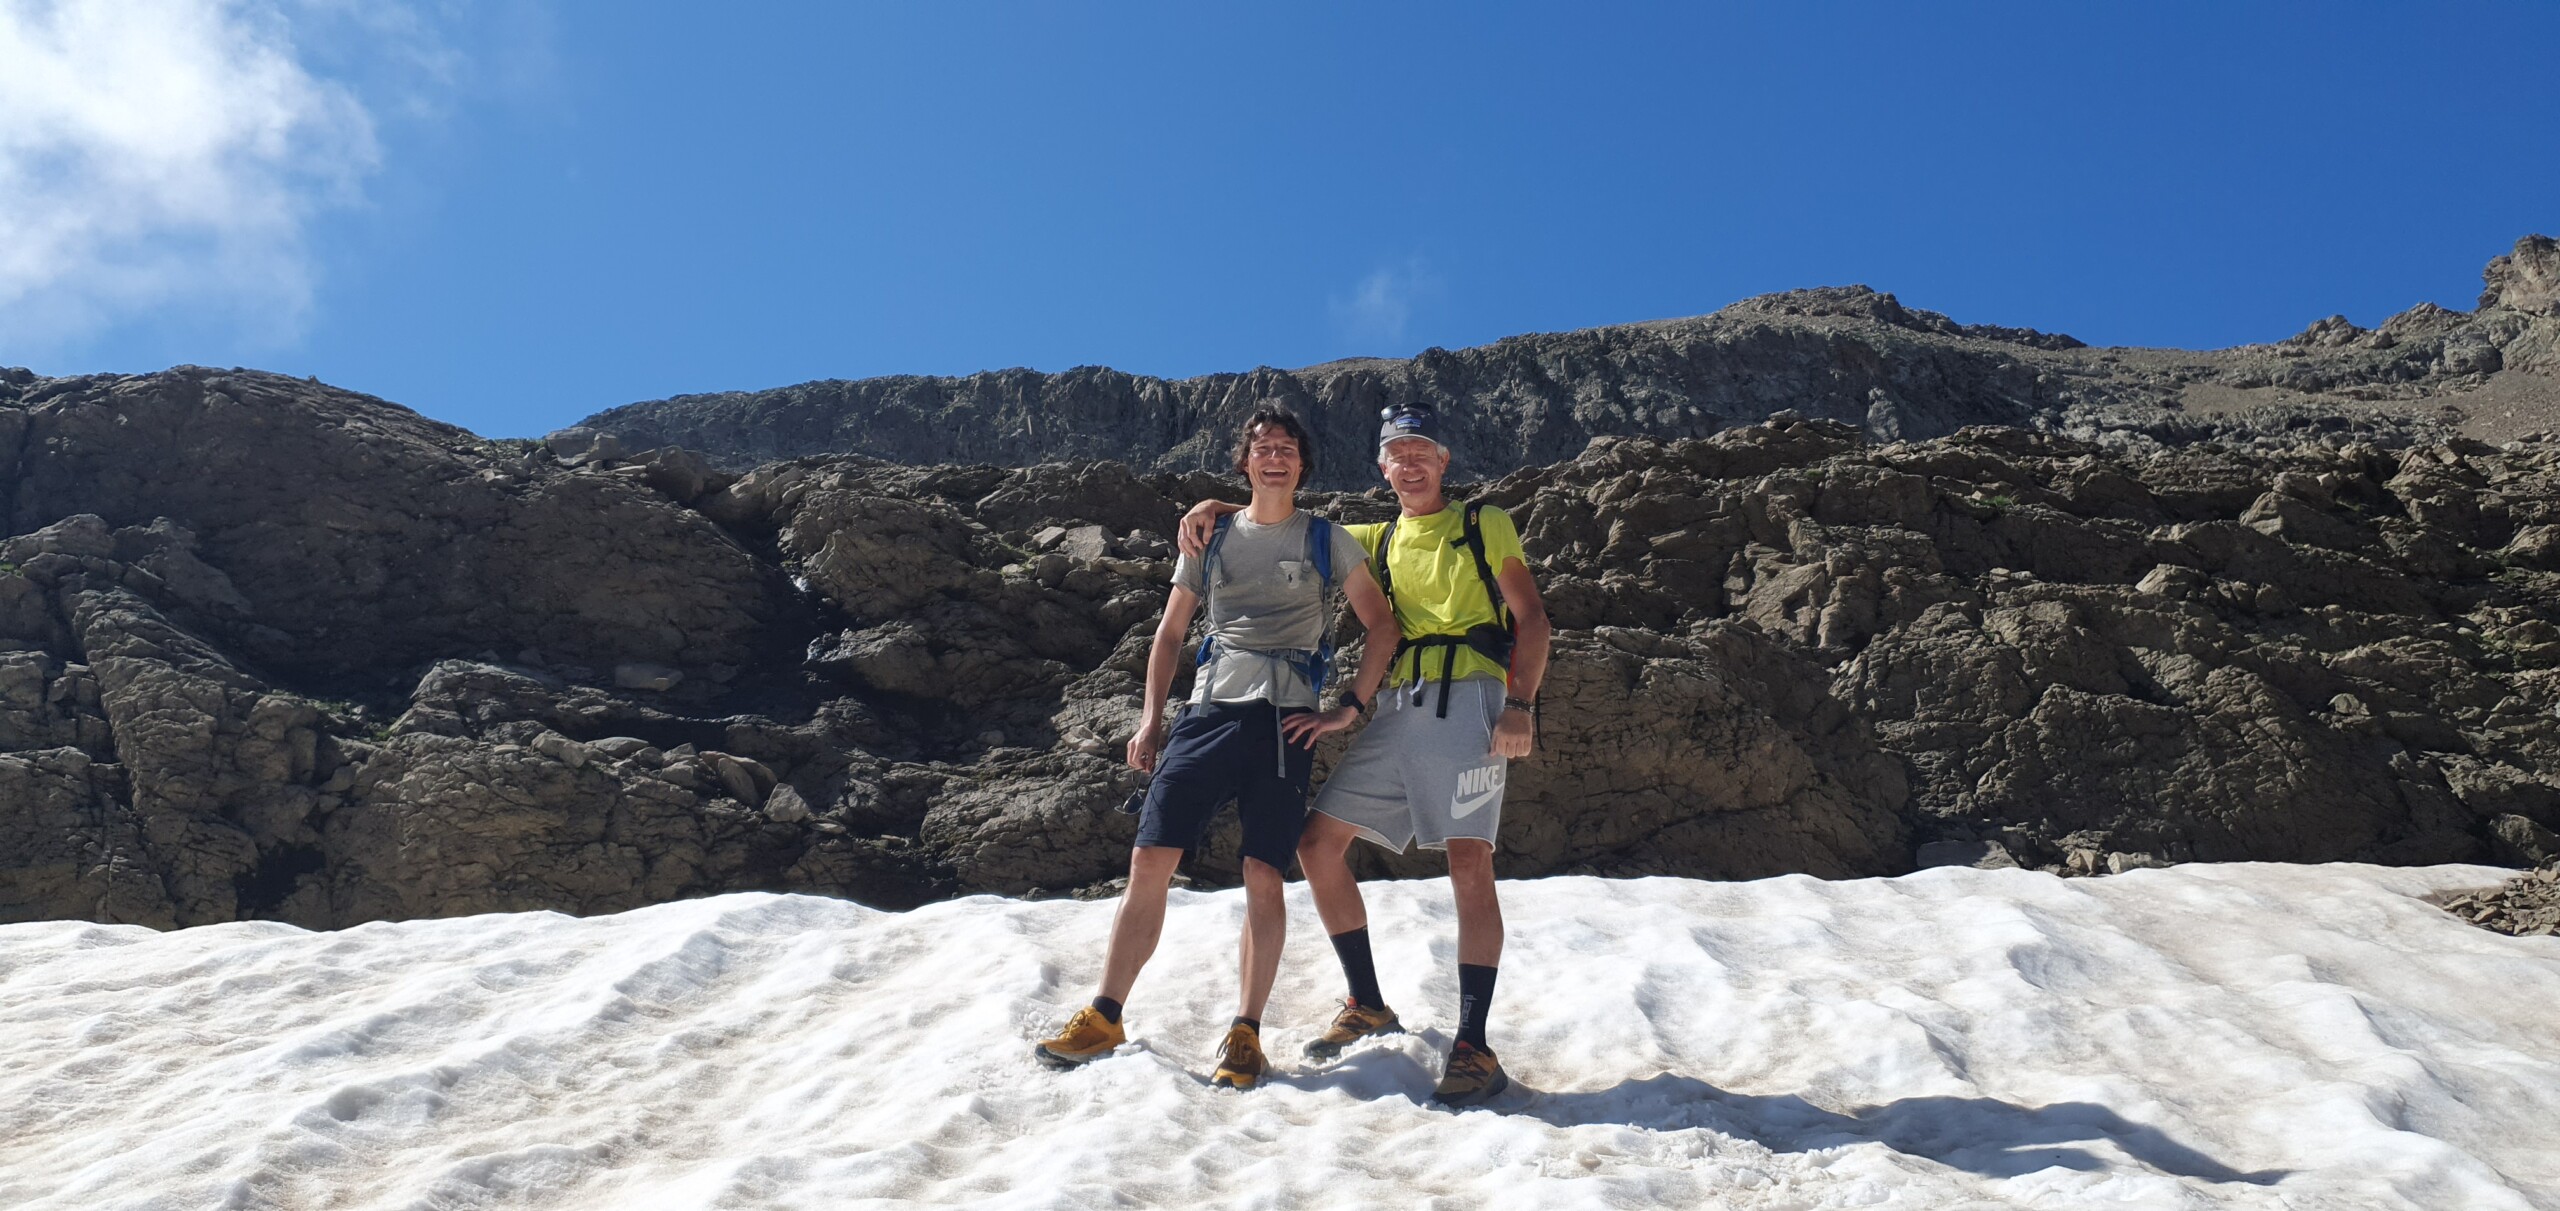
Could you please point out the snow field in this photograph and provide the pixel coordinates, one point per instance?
(2203, 1036)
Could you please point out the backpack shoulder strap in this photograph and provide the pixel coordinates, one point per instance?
(1474, 540)
(1209, 585)
(1319, 663)
(1209, 554)
(1320, 549)
(1378, 560)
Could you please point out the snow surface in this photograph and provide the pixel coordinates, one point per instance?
(2205, 1036)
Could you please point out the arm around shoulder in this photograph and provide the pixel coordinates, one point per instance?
(1192, 536)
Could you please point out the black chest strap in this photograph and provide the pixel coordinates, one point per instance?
(1495, 645)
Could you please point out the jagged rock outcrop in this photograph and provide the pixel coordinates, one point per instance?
(74, 843)
(2194, 654)
(2527, 279)
(1843, 353)
(272, 650)
(356, 535)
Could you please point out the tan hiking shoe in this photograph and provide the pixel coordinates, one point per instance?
(1473, 1076)
(1354, 1023)
(1240, 1062)
(1088, 1036)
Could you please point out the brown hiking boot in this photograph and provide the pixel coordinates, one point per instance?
(1473, 1076)
(1088, 1036)
(1354, 1023)
(1240, 1062)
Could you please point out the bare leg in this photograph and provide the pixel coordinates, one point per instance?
(1479, 910)
(1141, 918)
(1320, 854)
(1266, 930)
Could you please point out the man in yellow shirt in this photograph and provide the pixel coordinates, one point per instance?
(1432, 766)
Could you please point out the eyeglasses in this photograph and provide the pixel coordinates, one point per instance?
(1272, 450)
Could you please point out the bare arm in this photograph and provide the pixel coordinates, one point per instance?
(1517, 731)
(1163, 656)
(1193, 534)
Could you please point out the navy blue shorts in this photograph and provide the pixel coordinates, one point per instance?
(1219, 751)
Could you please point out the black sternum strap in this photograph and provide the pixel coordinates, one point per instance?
(1448, 645)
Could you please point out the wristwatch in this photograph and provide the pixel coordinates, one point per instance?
(1351, 700)
(1523, 704)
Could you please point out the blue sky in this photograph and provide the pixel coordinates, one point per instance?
(508, 216)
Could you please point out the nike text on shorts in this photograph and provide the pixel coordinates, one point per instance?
(1412, 776)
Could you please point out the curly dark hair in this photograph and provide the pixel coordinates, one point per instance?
(1275, 416)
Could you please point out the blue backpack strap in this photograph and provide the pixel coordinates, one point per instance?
(1320, 549)
(1319, 665)
(1209, 586)
(1209, 555)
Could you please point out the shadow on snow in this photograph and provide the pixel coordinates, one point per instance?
(1980, 1135)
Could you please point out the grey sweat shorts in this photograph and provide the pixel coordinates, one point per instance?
(1412, 775)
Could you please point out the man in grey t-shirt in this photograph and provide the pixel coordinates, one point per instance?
(1264, 598)
(1248, 734)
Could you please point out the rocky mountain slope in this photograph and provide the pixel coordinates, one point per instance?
(270, 649)
(1842, 353)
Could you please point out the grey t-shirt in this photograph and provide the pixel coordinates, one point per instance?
(1268, 599)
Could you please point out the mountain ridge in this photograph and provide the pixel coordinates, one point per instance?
(1848, 353)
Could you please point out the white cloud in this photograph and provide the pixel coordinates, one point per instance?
(160, 152)
(1380, 307)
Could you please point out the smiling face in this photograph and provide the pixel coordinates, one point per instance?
(1272, 459)
(1413, 467)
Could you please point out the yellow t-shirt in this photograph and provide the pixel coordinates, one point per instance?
(1436, 589)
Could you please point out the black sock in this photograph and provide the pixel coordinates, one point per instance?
(1256, 1023)
(1475, 1002)
(1352, 947)
(1108, 1008)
